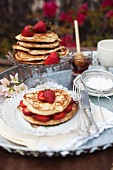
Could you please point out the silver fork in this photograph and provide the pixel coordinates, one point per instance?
(83, 123)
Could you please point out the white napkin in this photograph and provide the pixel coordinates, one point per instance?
(58, 142)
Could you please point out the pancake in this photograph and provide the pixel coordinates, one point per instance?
(62, 99)
(49, 36)
(36, 51)
(39, 45)
(51, 122)
(21, 56)
(32, 62)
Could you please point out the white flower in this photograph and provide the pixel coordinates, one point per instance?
(20, 88)
(9, 93)
(1, 92)
(9, 88)
(5, 82)
(14, 79)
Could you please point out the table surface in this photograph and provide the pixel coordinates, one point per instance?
(99, 160)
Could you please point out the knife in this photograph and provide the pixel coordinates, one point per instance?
(87, 110)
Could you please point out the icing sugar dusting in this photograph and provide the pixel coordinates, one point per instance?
(99, 83)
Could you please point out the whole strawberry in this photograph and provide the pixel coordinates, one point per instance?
(49, 95)
(27, 31)
(40, 27)
(52, 58)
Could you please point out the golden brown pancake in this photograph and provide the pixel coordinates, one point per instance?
(51, 122)
(36, 51)
(21, 56)
(49, 36)
(62, 99)
(39, 45)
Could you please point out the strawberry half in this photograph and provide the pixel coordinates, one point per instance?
(68, 108)
(42, 118)
(40, 27)
(26, 112)
(41, 96)
(52, 58)
(27, 31)
(59, 116)
(22, 104)
(49, 95)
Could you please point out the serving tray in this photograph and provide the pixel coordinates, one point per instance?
(63, 76)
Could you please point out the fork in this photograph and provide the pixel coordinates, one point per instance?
(83, 123)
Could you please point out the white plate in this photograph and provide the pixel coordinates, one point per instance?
(13, 117)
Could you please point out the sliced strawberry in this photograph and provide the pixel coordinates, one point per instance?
(52, 58)
(68, 108)
(41, 96)
(40, 27)
(27, 31)
(42, 118)
(22, 104)
(71, 102)
(49, 95)
(26, 112)
(59, 116)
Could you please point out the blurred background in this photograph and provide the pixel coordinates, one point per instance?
(95, 18)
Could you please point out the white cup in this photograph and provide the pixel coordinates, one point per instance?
(105, 52)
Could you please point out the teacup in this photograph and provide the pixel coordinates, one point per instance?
(105, 52)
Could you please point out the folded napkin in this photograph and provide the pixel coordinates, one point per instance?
(71, 140)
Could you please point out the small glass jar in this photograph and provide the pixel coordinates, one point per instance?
(79, 69)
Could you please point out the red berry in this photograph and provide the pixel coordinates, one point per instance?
(26, 112)
(42, 118)
(49, 95)
(52, 58)
(40, 27)
(41, 96)
(27, 31)
(59, 116)
(68, 108)
(22, 104)
(71, 102)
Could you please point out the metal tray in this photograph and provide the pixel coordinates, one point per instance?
(63, 76)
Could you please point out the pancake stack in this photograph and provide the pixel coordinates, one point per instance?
(38, 109)
(35, 49)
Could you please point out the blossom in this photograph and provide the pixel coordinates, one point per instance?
(9, 93)
(50, 8)
(5, 82)
(81, 18)
(14, 79)
(66, 17)
(83, 8)
(9, 88)
(109, 14)
(67, 41)
(107, 3)
(20, 87)
(1, 92)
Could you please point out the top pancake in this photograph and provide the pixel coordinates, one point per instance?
(49, 36)
(62, 99)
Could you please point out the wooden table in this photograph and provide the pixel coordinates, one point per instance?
(100, 160)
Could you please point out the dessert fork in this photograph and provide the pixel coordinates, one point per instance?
(83, 124)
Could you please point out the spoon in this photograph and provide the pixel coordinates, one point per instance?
(79, 59)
